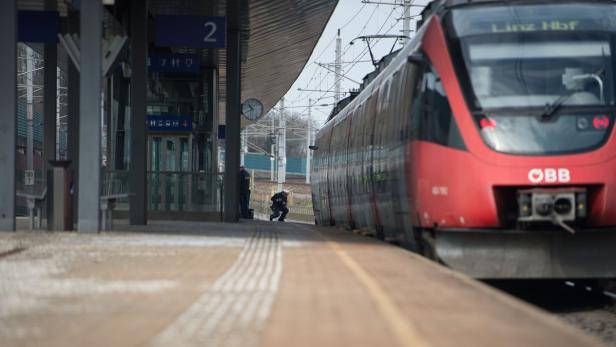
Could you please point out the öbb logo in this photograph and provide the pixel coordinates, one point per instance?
(549, 175)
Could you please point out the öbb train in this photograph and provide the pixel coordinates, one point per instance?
(486, 143)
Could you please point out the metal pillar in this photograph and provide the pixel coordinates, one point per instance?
(90, 114)
(8, 107)
(73, 117)
(338, 68)
(406, 22)
(308, 141)
(30, 111)
(232, 119)
(282, 147)
(273, 149)
(50, 110)
(244, 146)
(120, 124)
(138, 138)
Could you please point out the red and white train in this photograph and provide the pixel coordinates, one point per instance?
(487, 143)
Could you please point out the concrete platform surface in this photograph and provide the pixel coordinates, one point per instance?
(250, 284)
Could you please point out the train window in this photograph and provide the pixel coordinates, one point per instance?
(432, 116)
(394, 108)
(417, 106)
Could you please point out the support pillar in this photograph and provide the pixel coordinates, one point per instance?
(139, 84)
(232, 119)
(73, 118)
(50, 110)
(90, 116)
(308, 141)
(8, 112)
(50, 106)
(282, 147)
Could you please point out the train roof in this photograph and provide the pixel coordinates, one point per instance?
(381, 65)
(436, 6)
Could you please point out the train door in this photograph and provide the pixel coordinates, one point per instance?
(323, 160)
(411, 74)
(395, 154)
(382, 184)
(358, 146)
(374, 220)
(348, 175)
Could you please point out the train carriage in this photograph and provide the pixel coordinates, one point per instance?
(487, 142)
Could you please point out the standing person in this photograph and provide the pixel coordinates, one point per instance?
(244, 192)
(279, 205)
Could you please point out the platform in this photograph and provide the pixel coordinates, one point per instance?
(249, 284)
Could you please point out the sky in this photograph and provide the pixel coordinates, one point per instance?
(354, 18)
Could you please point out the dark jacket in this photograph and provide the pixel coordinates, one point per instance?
(279, 200)
(244, 182)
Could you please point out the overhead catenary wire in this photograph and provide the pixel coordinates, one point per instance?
(362, 54)
(318, 86)
(333, 39)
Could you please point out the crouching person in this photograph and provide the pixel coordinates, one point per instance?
(279, 206)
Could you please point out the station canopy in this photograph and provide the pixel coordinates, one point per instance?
(278, 37)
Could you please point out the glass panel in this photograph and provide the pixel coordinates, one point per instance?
(184, 154)
(181, 174)
(531, 135)
(540, 77)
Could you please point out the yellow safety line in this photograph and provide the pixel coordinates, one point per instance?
(406, 334)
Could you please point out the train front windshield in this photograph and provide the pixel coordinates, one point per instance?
(539, 78)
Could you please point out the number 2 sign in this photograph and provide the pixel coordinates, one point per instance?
(190, 31)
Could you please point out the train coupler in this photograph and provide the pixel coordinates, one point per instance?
(557, 206)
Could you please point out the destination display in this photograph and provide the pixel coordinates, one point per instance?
(533, 18)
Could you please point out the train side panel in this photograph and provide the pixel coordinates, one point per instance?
(357, 144)
(321, 194)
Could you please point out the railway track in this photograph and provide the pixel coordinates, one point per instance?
(588, 305)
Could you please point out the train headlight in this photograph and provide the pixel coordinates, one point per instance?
(525, 205)
(581, 205)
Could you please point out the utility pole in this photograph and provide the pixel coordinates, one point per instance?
(338, 67)
(273, 156)
(244, 147)
(308, 141)
(282, 150)
(406, 22)
(30, 111)
(58, 116)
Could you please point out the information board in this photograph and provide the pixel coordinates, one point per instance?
(170, 123)
(38, 26)
(178, 63)
(190, 31)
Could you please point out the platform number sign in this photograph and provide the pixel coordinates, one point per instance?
(190, 31)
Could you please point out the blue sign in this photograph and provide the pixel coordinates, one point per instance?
(170, 123)
(38, 26)
(221, 131)
(190, 31)
(180, 63)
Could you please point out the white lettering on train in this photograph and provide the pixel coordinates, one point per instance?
(549, 176)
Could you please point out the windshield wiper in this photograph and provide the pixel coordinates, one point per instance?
(550, 109)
